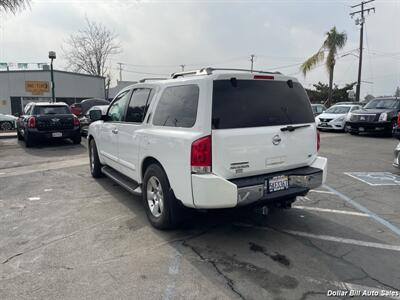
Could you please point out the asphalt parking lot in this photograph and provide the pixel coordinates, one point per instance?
(65, 235)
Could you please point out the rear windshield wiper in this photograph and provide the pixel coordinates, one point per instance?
(293, 128)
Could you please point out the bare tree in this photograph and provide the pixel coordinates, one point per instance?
(13, 5)
(89, 50)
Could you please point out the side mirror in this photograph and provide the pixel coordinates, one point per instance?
(95, 115)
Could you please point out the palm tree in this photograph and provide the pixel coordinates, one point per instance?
(13, 5)
(334, 41)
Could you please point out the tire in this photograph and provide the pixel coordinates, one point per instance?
(6, 126)
(95, 165)
(29, 141)
(77, 139)
(162, 208)
(19, 135)
(392, 127)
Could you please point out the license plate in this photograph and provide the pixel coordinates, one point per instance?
(361, 129)
(56, 134)
(278, 183)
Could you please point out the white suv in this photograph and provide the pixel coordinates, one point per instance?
(208, 139)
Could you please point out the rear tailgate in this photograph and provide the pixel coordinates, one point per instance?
(247, 121)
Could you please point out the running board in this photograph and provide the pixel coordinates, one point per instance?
(130, 185)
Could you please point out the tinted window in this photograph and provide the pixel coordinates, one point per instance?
(382, 104)
(138, 106)
(257, 103)
(320, 109)
(177, 106)
(338, 110)
(51, 110)
(117, 109)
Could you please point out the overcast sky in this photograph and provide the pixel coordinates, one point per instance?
(158, 36)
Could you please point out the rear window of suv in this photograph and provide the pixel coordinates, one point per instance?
(258, 103)
(51, 110)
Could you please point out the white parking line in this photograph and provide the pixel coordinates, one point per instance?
(358, 206)
(344, 212)
(328, 238)
(322, 192)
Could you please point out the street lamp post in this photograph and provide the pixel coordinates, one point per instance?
(52, 55)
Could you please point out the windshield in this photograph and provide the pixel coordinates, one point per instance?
(51, 110)
(338, 110)
(382, 104)
(257, 103)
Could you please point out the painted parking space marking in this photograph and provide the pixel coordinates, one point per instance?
(321, 192)
(327, 210)
(376, 178)
(363, 209)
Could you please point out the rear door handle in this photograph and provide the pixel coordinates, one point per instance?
(115, 131)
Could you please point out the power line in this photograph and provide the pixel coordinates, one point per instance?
(361, 22)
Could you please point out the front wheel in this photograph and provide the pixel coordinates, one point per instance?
(95, 165)
(161, 206)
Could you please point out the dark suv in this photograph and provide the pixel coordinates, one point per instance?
(379, 115)
(48, 121)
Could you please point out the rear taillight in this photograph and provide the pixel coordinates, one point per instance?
(398, 120)
(264, 77)
(76, 121)
(31, 122)
(201, 155)
(318, 140)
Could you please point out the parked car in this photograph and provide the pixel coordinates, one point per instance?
(7, 122)
(318, 109)
(396, 161)
(378, 115)
(80, 109)
(45, 120)
(85, 120)
(209, 139)
(334, 118)
(350, 103)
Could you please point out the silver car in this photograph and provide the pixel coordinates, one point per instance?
(396, 161)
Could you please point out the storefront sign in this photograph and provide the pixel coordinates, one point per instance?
(37, 87)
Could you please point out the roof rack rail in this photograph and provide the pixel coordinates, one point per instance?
(209, 71)
(150, 79)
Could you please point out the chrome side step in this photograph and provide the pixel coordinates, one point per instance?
(130, 185)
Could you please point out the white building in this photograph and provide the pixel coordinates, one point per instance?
(17, 88)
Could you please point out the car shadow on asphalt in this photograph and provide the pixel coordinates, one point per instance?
(52, 148)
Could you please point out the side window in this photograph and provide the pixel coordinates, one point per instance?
(117, 109)
(177, 106)
(138, 106)
(320, 109)
(354, 108)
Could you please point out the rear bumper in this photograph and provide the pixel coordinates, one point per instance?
(211, 191)
(44, 134)
(368, 126)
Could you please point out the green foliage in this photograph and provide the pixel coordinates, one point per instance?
(320, 93)
(13, 5)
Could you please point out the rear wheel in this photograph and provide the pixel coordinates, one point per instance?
(29, 141)
(19, 135)
(77, 139)
(161, 206)
(95, 165)
(6, 126)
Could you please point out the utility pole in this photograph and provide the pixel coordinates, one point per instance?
(183, 67)
(252, 61)
(361, 23)
(120, 71)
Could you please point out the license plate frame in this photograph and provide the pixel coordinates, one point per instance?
(277, 183)
(56, 134)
